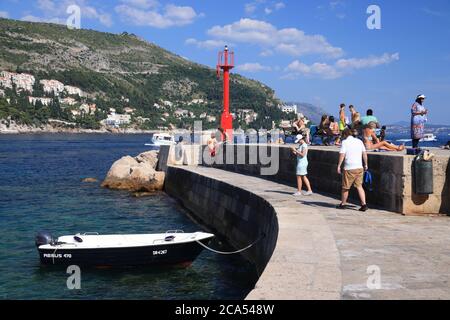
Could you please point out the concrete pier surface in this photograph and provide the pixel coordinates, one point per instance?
(325, 253)
(399, 249)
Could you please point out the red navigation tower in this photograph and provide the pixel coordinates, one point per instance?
(226, 63)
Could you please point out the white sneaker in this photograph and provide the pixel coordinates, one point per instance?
(297, 194)
(309, 193)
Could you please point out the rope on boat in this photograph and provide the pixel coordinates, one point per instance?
(233, 252)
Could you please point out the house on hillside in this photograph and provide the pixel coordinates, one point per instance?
(74, 91)
(88, 108)
(179, 113)
(68, 101)
(52, 86)
(44, 101)
(211, 119)
(129, 110)
(22, 81)
(289, 108)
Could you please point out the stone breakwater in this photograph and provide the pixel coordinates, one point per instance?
(136, 174)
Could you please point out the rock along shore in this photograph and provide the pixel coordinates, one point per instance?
(136, 174)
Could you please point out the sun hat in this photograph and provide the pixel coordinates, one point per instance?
(298, 138)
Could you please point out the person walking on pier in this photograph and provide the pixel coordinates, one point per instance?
(212, 144)
(352, 155)
(418, 120)
(302, 166)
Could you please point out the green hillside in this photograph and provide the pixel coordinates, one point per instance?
(112, 67)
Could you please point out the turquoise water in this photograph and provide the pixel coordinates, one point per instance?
(41, 189)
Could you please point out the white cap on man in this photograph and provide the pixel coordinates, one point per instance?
(421, 96)
(298, 138)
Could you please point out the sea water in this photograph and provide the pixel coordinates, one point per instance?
(41, 188)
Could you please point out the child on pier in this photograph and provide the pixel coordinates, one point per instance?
(302, 166)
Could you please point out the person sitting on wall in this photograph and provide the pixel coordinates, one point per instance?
(300, 128)
(383, 133)
(370, 118)
(324, 129)
(372, 142)
(334, 128)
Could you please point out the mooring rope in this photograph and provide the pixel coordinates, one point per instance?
(233, 252)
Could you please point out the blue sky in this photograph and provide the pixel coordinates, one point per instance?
(312, 51)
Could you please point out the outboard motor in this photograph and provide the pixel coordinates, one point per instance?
(43, 238)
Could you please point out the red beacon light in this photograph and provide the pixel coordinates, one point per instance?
(226, 63)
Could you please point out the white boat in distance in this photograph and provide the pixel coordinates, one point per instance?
(429, 137)
(162, 139)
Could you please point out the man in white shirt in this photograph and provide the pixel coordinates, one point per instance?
(352, 155)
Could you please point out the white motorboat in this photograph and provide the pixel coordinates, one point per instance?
(162, 139)
(172, 247)
(429, 137)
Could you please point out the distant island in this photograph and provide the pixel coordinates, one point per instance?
(403, 127)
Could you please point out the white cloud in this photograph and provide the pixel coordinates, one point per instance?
(269, 6)
(266, 53)
(92, 13)
(31, 18)
(143, 4)
(253, 67)
(55, 12)
(290, 41)
(339, 69)
(320, 70)
(4, 14)
(208, 44)
(369, 62)
(250, 8)
(434, 13)
(144, 13)
(279, 6)
(336, 4)
(336, 8)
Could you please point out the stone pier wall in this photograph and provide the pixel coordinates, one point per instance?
(234, 213)
(392, 174)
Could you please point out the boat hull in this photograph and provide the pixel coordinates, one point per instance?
(182, 253)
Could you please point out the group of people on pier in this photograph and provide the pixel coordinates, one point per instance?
(367, 128)
(355, 138)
